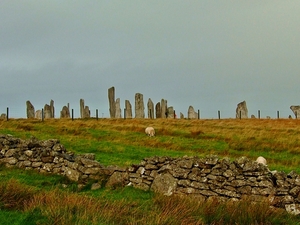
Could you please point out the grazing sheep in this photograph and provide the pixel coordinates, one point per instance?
(261, 160)
(150, 131)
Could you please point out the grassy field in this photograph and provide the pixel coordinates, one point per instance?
(43, 200)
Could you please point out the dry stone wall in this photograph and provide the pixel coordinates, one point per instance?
(203, 178)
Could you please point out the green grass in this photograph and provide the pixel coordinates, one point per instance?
(46, 200)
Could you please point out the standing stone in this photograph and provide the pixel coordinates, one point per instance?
(118, 109)
(81, 102)
(158, 110)
(3, 116)
(296, 110)
(164, 107)
(30, 110)
(52, 110)
(242, 111)
(128, 110)
(191, 113)
(65, 112)
(171, 112)
(139, 106)
(181, 116)
(47, 111)
(38, 114)
(150, 107)
(111, 99)
(86, 112)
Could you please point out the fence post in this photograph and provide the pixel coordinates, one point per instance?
(7, 113)
(72, 114)
(258, 114)
(97, 114)
(42, 114)
(124, 114)
(277, 114)
(219, 114)
(198, 114)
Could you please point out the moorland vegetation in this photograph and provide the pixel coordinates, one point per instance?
(51, 199)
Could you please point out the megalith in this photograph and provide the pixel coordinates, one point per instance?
(86, 112)
(118, 108)
(47, 111)
(191, 113)
(164, 107)
(171, 112)
(65, 112)
(158, 110)
(81, 105)
(111, 100)
(52, 110)
(241, 110)
(150, 106)
(38, 114)
(181, 115)
(296, 110)
(128, 109)
(139, 106)
(3, 116)
(30, 110)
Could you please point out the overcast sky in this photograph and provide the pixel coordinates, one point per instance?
(207, 54)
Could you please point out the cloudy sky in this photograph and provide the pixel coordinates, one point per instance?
(207, 54)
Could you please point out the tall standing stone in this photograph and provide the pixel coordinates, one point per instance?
(139, 106)
(118, 108)
(52, 110)
(128, 110)
(65, 112)
(38, 114)
(150, 106)
(81, 105)
(30, 110)
(296, 110)
(181, 116)
(164, 107)
(158, 110)
(86, 112)
(171, 112)
(111, 99)
(241, 110)
(191, 113)
(47, 111)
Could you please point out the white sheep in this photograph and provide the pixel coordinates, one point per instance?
(150, 131)
(261, 160)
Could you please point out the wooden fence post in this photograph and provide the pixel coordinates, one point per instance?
(219, 114)
(72, 114)
(198, 114)
(277, 114)
(42, 114)
(258, 114)
(97, 114)
(7, 113)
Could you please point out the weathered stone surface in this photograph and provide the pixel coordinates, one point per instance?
(181, 116)
(117, 179)
(86, 112)
(38, 114)
(111, 100)
(81, 107)
(165, 184)
(171, 112)
(3, 116)
(65, 112)
(118, 109)
(296, 110)
(71, 174)
(47, 111)
(164, 108)
(139, 106)
(158, 110)
(150, 107)
(191, 113)
(241, 110)
(52, 109)
(30, 110)
(128, 109)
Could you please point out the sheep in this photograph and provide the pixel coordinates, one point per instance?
(150, 131)
(261, 160)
